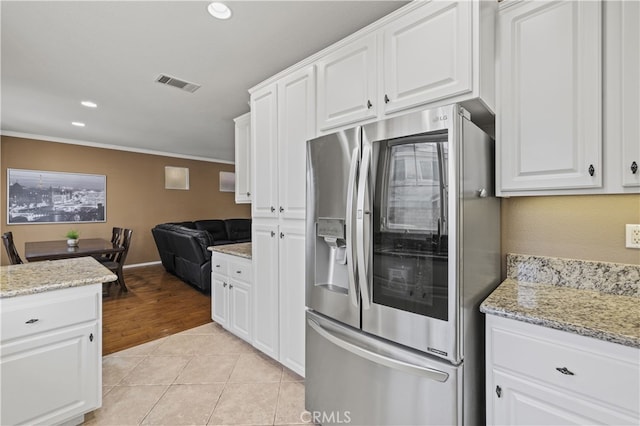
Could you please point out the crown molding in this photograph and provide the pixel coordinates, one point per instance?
(113, 147)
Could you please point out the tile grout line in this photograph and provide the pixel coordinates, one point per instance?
(275, 412)
(223, 389)
(166, 390)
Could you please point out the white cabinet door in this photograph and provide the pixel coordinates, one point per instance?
(52, 377)
(630, 66)
(347, 84)
(264, 147)
(292, 295)
(538, 375)
(265, 284)
(518, 401)
(219, 300)
(427, 55)
(549, 121)
(240, 308)
(243, 158)
(296, 125)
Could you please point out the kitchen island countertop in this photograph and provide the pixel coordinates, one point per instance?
(239, 249)
(38, 277)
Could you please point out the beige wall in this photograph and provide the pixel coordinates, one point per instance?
(579, 227)
(136, 197)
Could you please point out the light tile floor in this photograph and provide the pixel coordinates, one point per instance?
(202, 376)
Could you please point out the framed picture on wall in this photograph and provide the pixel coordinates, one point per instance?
(36, 196)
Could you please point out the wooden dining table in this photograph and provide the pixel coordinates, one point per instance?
(58, 249)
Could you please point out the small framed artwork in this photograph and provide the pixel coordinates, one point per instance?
(227, 182)
(36, 196)
(176, 178)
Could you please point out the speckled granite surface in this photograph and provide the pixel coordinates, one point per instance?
(240, 249)
(613, 278)
(593, 299)
(38, 277)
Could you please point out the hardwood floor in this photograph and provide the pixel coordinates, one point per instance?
(157, 304)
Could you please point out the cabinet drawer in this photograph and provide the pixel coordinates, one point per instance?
(27, 315)
(218, 265)
(240, 271)
(580, 364)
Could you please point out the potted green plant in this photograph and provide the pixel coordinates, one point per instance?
(72, 238)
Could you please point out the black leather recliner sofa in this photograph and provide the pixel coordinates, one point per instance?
(183, 246)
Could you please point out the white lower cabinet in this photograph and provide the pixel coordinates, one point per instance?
(51, 356)
(292, 295)
(279, 259)
(541, 376)
(231, 294)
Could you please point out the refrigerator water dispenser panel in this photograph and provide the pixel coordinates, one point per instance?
(332, 252)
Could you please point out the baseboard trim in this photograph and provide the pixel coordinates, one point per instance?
(137, 265)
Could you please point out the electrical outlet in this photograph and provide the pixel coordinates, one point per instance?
(633, 236)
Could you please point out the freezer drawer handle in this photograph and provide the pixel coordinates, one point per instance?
(431, 373)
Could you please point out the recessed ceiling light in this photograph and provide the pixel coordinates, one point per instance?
(77, 124)
(89, 104)
(219, 10)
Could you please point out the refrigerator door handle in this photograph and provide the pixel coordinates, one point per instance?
(351, 265)
(360, 221)
(377, 358)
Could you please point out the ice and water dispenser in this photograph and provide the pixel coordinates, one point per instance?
(331, 254)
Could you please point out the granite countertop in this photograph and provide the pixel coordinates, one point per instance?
(38, 277)
(594, 299)
(240, 249)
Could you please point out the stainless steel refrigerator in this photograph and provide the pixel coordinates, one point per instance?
(403, 243)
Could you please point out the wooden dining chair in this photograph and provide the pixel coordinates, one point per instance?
(117, 263)
(116, 238)
(7, 240)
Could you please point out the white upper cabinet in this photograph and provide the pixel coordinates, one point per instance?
(549, 118)
(243, 158)
(296, 123)
(427, 55)
(264, 147)
(347, 81)
(630, 49)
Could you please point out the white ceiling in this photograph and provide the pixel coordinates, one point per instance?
(58, 53)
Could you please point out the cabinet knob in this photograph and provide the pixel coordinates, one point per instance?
(499, 391)
(273, 234)
(592, 170)
(281, 209)
(634, 167)
(386, 99)
(565, 371)
(273, 209)
(230, 286)
(281, 235)
(248, 194)
(217, 266)
(32, 320)
(238, 272)
(91, 337)
(224, 284)
(369, 104)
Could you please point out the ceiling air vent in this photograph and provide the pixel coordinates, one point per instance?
(180, 84)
